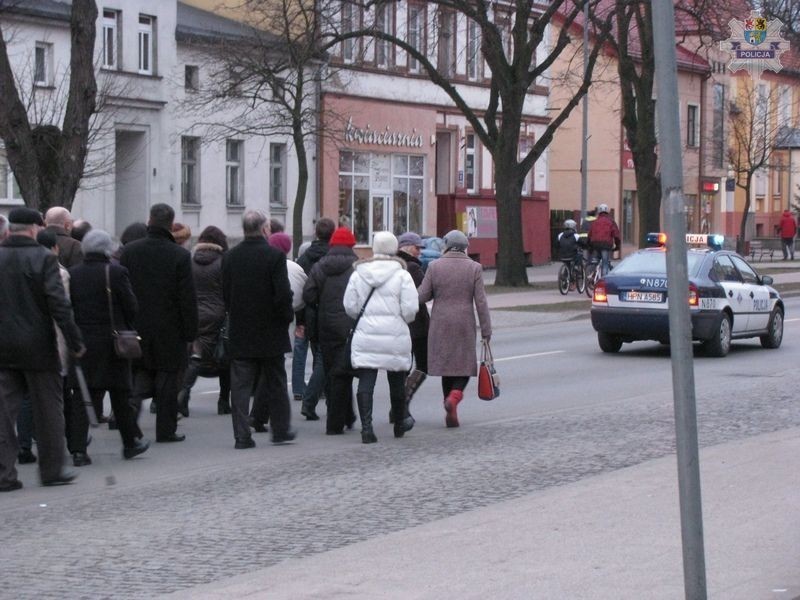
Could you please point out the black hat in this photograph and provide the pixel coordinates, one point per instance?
(25, 216)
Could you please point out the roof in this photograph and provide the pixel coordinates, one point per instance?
(58, 10)
(198, 25)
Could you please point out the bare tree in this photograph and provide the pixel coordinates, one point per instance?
(788, 11)
(516, 47)
(266, 82)
(755, 131)
(48, 162)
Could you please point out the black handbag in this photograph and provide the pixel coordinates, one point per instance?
(349, 343)
(220, 355)
(127, 343)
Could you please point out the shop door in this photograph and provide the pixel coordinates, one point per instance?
(443, 163)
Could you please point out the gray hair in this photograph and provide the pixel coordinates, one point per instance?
(3, 226)
(253, 222)
(97, 241)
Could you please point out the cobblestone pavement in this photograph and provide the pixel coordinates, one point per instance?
(162, 536)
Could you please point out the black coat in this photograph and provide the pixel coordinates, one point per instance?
(70, 252)
(310, 257)
(419, 326)
(324, 293)
(258, 299)
(207, 272)
(31, 298)
(103, 369)
(161, 276)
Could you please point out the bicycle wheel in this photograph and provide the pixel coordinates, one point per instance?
(579, 273)
(591, 278)
(563, 279)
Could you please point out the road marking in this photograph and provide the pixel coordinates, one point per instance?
(529, 355)
(791, 320)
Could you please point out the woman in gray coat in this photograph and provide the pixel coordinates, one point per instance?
(455, 284)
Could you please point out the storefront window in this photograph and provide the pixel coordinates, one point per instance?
(381, 192)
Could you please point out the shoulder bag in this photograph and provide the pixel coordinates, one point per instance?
(349, 343)
(488, 379)
(127, 343)
(220, 356)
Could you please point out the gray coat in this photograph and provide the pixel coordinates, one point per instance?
(455, 283)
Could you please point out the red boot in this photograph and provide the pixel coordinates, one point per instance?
(450, 405)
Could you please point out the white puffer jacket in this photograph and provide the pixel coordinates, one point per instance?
(381, 339)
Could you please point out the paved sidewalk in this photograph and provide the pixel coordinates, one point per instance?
(614, 536)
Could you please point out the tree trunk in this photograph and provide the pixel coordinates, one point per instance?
(648, 189)
(740, 243)
(302, 187)
(508, 191)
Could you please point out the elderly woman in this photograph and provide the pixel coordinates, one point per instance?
(382, 291)
(105, 372)
(454, 283)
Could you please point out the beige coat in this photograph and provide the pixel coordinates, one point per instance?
(455, 284)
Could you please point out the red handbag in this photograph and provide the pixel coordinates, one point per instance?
(488, 379)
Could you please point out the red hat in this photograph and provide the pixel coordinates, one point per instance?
(342, 237)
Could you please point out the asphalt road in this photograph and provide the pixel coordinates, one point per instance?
(200, 511)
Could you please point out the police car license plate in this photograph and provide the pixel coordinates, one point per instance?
(635, 296)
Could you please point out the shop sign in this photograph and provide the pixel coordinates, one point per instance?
(386, 137)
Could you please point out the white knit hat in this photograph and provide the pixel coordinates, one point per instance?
(384, 242)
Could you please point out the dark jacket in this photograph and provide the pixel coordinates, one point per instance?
(207, 272)
(310, 257)
(258, 299)
(161, 276)
(324, 292)
(103, 369)
(31, 297)
(419, 326)
(70, 253)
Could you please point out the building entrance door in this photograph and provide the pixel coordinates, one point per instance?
(131, 190)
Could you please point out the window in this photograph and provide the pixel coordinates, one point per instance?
(383, 22)
(234, 174)
(191, 77)
(760, 178)
(408, 173)
(146, 44)
(777, 177)
(43, 64)
(110, 39)
(348, 25)
(785, 106)
(692, 125)
(277, 174)
(628, 204)
(718, 131)
(9, 190)
(416, 32)
(446, 43)
(473, 49)
(525, 146)
(190, 171)
(470, 171)
(354, 193)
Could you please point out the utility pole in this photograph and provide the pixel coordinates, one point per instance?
(585, 127)
(683, 391)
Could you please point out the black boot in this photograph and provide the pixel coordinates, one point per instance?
(397, 399)
(223, 406)
(364, 401)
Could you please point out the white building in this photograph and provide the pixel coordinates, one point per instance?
(147, 146)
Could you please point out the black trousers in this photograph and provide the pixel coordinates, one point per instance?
(453, 383)
(338, 387)
(78, 420)
(45, 389)
(162, 386)
(419, 348)
(271, 394)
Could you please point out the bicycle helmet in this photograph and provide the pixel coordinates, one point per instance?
(570, 224)
(602, 208)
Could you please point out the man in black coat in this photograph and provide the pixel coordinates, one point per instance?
(31, 298)
(303, 334)
(59, 220)
(258, 298)
(161, 276)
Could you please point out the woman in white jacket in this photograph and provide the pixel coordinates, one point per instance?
(381, 339)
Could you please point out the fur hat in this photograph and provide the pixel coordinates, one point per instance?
(342, 237)
(181, 233)
(384, 242)
(281, 241)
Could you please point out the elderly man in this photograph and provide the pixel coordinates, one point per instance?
(258, 298)
(59, 220)
(161, 277)
(31, 298)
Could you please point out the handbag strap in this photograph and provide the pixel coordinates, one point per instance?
(486, 352)
(363, 308)
(108, 295)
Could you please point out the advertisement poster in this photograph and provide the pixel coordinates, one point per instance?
(481, 221)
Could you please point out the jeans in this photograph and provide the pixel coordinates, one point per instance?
(605, 261)
(299, 355)
(788, 247)
(316, 382)
(25, 423)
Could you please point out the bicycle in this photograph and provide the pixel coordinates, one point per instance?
(571, 275)
(593, 275)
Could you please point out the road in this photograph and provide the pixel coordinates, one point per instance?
(200, 511)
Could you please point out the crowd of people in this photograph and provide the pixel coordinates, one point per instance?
(69, 295)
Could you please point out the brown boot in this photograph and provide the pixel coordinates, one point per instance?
(450, 407)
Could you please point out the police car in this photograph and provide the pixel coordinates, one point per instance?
(727, 298)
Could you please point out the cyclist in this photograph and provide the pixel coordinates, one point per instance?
(604, 237)
(569, 243)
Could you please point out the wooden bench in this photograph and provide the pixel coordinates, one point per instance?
(759, 249)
